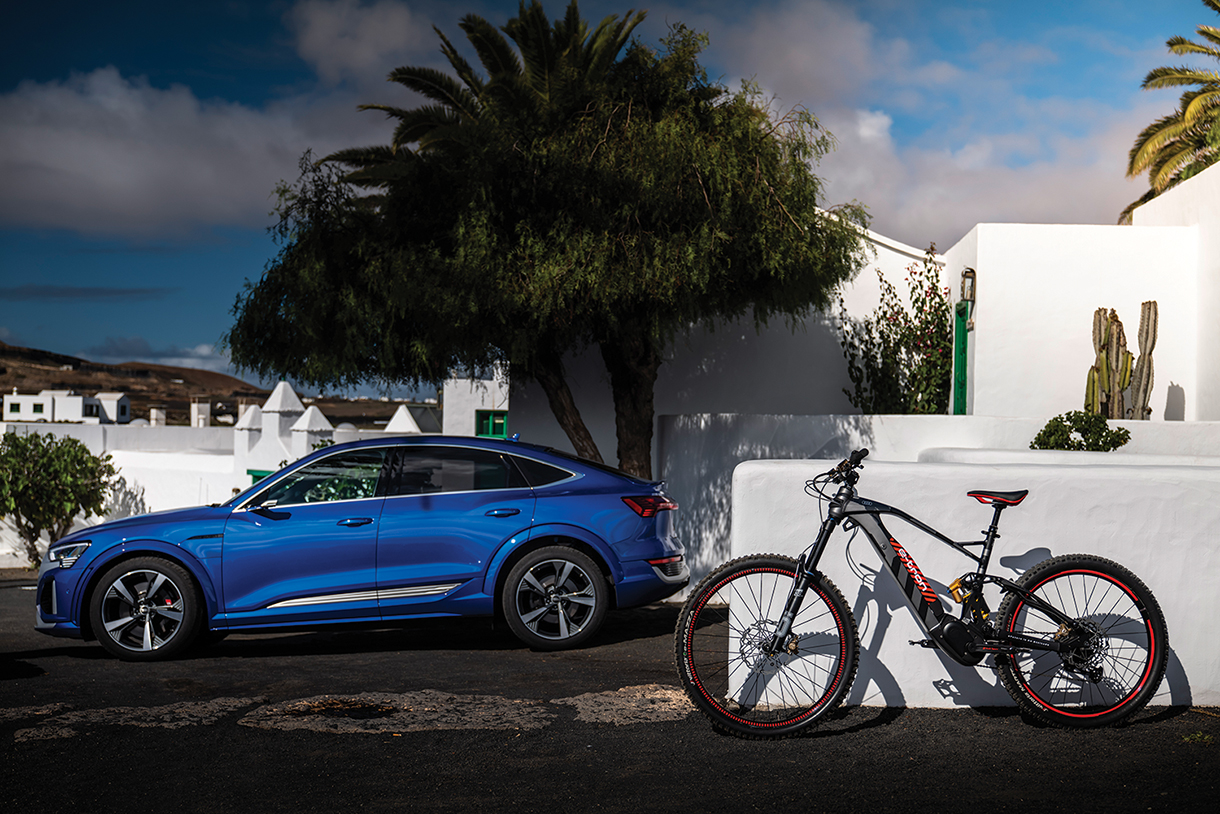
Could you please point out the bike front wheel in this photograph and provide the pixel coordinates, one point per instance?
(723, 653)
(1114, 648)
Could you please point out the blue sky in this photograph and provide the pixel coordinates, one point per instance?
(140, 141)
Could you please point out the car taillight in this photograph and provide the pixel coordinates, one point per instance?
(649, 505)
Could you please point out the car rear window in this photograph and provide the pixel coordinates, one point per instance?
(418, 470)
(538, 473)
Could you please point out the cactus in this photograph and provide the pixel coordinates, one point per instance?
(1111, 371)
(1141, 377)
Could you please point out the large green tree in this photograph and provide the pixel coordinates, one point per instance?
(1187, 141)
(584, 194)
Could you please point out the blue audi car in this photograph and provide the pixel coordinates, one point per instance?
(375, 531)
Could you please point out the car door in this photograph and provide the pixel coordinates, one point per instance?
(449, 509)
(305, 548)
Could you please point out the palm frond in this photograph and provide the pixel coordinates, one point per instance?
(493, 50)
(416, 124)
(463, 68)
(439, 87)
(1170, 77)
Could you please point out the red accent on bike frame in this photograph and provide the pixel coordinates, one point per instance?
(921, 581)
(829, 689)
(1152, 645)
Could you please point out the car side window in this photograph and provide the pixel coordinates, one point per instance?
(417, 470)
(538, 473)
(346, 476)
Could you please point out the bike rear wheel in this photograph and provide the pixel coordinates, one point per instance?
(1118, 635)
(720, 648)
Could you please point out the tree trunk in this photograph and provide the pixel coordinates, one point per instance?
(632, 361)
(549, 373)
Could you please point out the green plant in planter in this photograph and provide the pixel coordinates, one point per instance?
(1077, 430)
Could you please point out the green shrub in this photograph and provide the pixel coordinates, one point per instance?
(45, 482)
(1080, 431)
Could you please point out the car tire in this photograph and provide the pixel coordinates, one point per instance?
(146, 609)
(555, 598)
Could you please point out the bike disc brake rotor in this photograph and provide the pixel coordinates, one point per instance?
(1088, 647)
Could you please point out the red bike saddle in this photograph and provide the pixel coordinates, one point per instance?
(991, 498)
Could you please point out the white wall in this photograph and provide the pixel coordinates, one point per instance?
(1163, 536)
(698, 454)
(1038, 286)
(1197, 203)
(462, 398)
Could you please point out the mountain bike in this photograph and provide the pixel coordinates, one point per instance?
(766, 645)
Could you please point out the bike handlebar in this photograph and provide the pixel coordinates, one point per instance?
(845, 469)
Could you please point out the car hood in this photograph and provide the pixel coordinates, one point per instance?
(172, 525)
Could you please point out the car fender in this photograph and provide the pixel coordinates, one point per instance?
(139, 548)
(513, 544)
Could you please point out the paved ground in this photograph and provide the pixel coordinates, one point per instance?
(452, 716)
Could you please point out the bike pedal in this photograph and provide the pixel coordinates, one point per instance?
(922, 643)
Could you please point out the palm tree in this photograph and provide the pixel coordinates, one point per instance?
(1184, 143)
(558, 67)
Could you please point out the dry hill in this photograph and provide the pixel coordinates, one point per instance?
(30, 370)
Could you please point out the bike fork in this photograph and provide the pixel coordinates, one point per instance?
(806, 571)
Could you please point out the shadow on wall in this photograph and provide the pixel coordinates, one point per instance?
(125, 501)
(699, 452)
(1175, 403)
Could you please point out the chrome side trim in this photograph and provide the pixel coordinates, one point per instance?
(364, 596)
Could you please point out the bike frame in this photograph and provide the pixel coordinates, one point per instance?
(967, 639)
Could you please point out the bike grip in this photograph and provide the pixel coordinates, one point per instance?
(858, 456)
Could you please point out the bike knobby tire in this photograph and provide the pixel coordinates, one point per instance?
(722, 663)
(1114, 668)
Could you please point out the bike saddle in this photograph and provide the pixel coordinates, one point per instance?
(991, 498)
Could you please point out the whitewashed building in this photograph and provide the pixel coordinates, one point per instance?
(65, 406)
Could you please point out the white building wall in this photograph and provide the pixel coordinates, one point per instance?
(1197, 204)
(1038, 286)
(462, 398)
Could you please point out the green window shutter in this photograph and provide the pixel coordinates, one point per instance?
(491, 423)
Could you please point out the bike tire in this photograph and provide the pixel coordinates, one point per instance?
(723, 670)
(1129, 643)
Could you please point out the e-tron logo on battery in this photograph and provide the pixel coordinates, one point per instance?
(913, 570)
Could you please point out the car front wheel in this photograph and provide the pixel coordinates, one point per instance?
(145, 609)
(555, 598)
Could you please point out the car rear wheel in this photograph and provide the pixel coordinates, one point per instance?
(555, 598)
(145, 609)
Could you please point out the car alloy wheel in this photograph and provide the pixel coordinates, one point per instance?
(145, 609)
(555, 598)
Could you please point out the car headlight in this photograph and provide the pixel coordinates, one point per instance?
(67, 555)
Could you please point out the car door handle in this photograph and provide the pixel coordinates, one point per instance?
(502, 512)
(355, 521)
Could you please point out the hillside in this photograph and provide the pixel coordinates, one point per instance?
(30, 370)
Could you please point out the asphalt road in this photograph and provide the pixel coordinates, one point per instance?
(453, 716)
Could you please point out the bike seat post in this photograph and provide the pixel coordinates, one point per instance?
(990, 536)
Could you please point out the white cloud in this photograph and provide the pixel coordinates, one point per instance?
(102, 153)
(990, 149)
(347, 39)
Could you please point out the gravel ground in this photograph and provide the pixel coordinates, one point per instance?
(453, 716)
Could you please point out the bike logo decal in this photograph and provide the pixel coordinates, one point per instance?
(916, 574)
